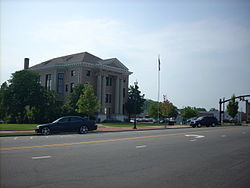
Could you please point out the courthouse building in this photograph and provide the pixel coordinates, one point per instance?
(109, 78)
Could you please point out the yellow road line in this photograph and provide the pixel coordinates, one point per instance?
(108, 140)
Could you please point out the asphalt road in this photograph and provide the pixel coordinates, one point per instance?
(205, 157)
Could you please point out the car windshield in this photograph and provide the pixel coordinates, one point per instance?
(56, 120)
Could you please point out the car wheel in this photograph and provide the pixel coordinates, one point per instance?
(83, 129)
(199, 125)
(45, 131)
(193, 126)
(213, 124)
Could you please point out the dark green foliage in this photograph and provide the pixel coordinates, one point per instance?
(166, 110)
(232, 107)
(189, 112)
(24, 100)
(135, 101)
(153, 111)
(69, 108)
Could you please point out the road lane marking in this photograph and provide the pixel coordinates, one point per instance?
(223, 136)
(139, 147)
(31, 137)
(243, 132)
(41, 157)
(194, 135)
(15, 138)
(193, 140)
(111, 140)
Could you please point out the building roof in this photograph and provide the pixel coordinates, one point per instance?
(83, 58)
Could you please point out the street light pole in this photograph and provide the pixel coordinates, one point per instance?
(136, 83)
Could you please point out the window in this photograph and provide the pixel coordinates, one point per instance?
(75, 119)
(108, 81)
(72, 85)
(66, 88)
(108, 98)
(124, 90)
(48, 81)
(88, 72)
(60, 82)
(73, 73)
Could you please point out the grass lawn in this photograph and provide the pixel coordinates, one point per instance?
(17, 126)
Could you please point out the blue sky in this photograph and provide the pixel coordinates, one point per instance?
(204, 45)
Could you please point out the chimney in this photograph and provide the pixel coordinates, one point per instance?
(26, 63)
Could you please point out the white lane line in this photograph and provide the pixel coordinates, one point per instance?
(15, 138)
(47, 136)
(193, 140)
(139, 147)
(223, 136)
(31, 137)
(243, 132)
(41, 157)
(194, 135)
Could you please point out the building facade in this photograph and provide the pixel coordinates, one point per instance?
(109, 78)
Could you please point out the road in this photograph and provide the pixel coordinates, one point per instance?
(205, 157)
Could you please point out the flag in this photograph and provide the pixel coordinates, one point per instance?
(159, 64)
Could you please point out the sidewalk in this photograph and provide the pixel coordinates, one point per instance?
(101, 128)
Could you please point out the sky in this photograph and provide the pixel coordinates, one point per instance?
(204, 46)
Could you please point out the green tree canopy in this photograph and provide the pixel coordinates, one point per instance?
(135, 101)
(189, 112)
(69, 108)
(24, 99)
(153, 111)
(232, 107)
(87, 103)
(168, 110)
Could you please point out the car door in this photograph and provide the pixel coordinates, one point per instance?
(76, 122)
(63, 124)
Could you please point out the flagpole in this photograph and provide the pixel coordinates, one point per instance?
(159, 88)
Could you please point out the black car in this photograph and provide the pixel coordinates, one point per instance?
(67, 124)
(205, 120)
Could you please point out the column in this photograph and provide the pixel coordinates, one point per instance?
(121, 96)
(99, 90)
(117, 95)
(103, 93)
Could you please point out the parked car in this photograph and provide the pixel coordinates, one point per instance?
(204, 120)
(67, 124)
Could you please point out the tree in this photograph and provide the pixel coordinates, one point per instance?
(135, 101)
(153, 110)
(201, 109)
(189, 112)
(87, 103)
(232, 107)
(23, 99)
(168, 110)
(69, 108)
